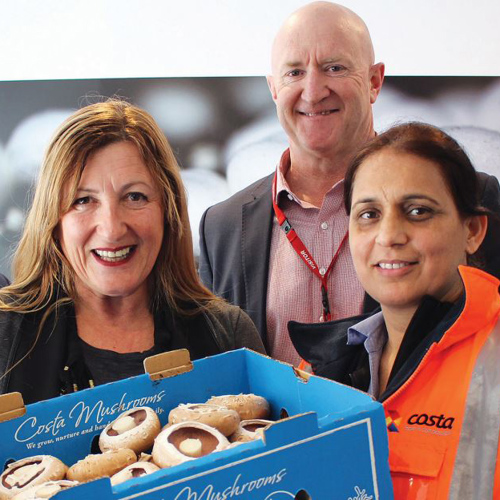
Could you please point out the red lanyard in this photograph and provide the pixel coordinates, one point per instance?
(304, 253)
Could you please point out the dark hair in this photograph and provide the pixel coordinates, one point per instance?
(429, 142)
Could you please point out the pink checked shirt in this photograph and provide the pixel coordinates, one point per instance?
(294, 292)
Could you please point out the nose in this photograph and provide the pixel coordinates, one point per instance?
(391, 231)
(111, 222)
(315, 87)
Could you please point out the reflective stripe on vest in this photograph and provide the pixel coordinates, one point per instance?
(474, 469)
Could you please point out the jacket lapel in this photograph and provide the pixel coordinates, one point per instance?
(257, 223)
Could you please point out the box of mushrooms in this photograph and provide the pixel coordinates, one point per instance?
(238, 425)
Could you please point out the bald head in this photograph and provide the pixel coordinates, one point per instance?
(324, 19)
(324, 82)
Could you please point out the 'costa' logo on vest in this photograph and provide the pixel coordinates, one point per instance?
(439, 421)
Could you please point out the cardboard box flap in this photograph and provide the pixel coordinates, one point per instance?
(168, 364)
(298, 426)
(11, 406)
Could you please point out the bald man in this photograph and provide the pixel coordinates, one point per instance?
(279, 248)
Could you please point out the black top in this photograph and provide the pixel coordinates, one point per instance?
(87, 365)
(107, 366)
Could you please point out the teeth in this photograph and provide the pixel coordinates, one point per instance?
(113, 256)
(323, 113)
(397, 265)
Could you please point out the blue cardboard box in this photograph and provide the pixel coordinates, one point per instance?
(332, 445)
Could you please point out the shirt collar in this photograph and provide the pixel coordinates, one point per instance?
(371, 332)
(282, 185)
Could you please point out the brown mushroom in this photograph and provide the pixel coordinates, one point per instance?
(134, 429)
(226, 421)
(45, 490)
(186, 441)
(250, 430)
(101, 465)
(28, 472)
(248, 406)
(134, 470)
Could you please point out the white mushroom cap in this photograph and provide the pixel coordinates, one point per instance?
(223, 419)
(45, 490)
(249, 406)
(101, 465)
(167, 448)
(134, 429)
(250, 430)
(28, 472)
(134, 470)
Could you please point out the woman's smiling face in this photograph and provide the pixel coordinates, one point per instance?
(406, 235)
(113, 232)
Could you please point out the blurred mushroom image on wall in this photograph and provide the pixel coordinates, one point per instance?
(20, 160)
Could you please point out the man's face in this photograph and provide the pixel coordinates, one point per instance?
(324, 85)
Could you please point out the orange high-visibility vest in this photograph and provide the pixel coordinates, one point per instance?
(444, 422)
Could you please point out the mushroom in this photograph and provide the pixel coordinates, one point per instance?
(250, 430)
(101, 465)
(28, 472)
(134, 470)
(186, 441)
(226, 421)
(249, 406)
(134, 429)
(45, 490)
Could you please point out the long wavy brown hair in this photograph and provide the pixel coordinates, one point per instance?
(42, 277)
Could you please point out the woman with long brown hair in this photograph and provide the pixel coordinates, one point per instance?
(104, 274)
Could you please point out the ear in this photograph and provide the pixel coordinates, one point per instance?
(272, 87)
(476, 231)
(377, 72)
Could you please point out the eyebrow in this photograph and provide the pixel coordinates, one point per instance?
(125, 187)
(298, 63)
(292, 64)
(408, 197)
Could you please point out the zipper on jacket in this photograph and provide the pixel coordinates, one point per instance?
(411, 377)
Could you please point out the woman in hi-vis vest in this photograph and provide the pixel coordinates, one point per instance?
(432, 354)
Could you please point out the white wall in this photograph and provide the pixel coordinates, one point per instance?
(71, 39)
